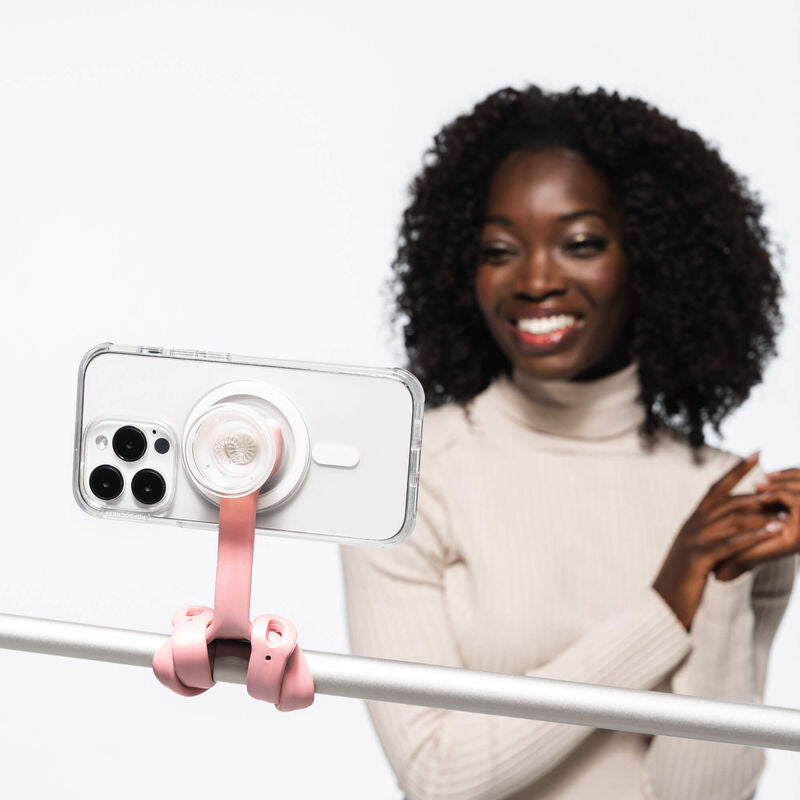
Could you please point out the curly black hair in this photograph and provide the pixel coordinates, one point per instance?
(705, 291)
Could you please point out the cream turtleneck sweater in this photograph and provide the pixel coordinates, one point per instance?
(542, 523)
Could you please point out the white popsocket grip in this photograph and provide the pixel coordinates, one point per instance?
(231, 450)
(244, 437)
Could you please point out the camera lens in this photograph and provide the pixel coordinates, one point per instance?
(129, 443)
(148, 486)
(106, 482)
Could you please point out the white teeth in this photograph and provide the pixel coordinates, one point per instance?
(546, 324)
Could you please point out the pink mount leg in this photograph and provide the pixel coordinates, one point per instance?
(277, 671)
(237, 526)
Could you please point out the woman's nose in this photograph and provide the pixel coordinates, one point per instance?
(539, 274)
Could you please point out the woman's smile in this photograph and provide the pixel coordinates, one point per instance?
(547, 334)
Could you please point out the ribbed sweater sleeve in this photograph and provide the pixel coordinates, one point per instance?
(731, 637)
(396, 609)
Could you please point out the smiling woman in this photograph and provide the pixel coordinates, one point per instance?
(586, 286)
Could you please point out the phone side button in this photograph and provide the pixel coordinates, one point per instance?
(416, 453)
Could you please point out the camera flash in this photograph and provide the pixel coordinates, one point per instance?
(101, 442)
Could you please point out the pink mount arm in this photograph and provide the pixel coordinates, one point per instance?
(277, 671)
(237, 524)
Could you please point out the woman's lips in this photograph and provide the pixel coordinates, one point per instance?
(547, 342)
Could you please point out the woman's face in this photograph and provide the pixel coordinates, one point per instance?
(552, 279)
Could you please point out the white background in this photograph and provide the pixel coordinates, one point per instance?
(230, 176)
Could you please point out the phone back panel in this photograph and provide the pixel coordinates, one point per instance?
(377, 411)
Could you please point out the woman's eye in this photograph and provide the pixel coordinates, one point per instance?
(583, 245)
(495, 254)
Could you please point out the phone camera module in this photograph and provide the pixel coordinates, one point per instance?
(148, 486)
(106, 482)
(129, 443)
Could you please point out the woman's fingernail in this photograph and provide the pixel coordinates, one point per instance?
(774, 526)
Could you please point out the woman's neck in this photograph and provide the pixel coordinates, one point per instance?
(596, 408)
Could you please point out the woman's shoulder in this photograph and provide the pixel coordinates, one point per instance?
(460, 424)
(444, 427)
(725, 460)
(712, 464)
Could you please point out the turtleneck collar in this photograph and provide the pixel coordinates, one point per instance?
(603, 408)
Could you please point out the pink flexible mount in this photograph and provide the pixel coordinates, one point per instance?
(277, 671)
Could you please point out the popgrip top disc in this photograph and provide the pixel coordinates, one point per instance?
(230, 448)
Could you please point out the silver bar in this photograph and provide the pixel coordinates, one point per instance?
(656, 713)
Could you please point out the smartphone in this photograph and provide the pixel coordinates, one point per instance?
(352, 438)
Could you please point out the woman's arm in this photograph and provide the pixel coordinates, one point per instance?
(731, 637)
(396, 609)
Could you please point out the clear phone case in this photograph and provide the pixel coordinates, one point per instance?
(354, 435)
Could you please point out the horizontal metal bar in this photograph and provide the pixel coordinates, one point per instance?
(656, 713)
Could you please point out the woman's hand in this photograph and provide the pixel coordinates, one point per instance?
(720, 528)
(780, 492)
